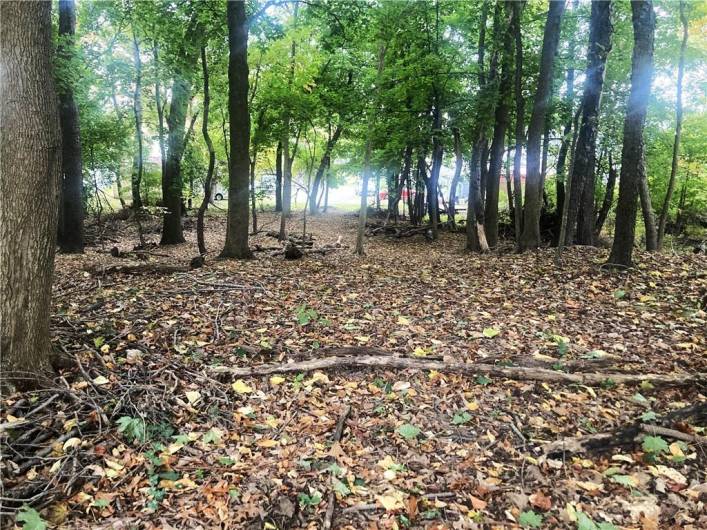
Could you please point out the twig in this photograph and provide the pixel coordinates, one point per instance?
(331, 501)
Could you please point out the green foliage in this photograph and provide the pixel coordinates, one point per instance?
(530, 519)
(30, 519)
(408, 431)
(461, 418)
(134, 429)
(654, 445)
(305, 315)
(584, 522)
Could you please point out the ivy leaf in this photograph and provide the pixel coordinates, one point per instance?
(461, 418)
(619, 294)
(483, 380)
(340, 488)
(654, 445)
(30, 519)
(408, 431)
(584, 522)
(625, 480)
(530, 519)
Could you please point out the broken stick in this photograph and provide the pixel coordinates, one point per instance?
(331, 501)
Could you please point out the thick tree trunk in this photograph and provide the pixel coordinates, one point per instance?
(278, 177)
(530, 237)
(159, 107)
(71, 216)
(608, 198)
(172, 181)
(499, 132)
(580, 210)
(520, 123)
(236, 245)
(30, 171)
(632, 156)
(323, 165)
(394, 199)
(437, 153)
(475, 230)
(137, 113)
(678, 131)
(212, 157)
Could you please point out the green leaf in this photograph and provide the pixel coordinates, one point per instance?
(584, 522)
(490, 333)
(625, 480)
(619, 294)
(461, 418)
(309, 500)
(211, 436)
(563, 347)
(530, 519)
(408, 431)
(335, 469)
(98, 341)
(654, 445)
(649, 415)
(340, 488)
(30, 519)
(100, 503)
(483, 380)
(639, 398)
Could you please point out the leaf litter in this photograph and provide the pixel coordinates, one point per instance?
(137, 429)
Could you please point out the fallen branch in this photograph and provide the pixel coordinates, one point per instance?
(508, 372)
(331, 501)
(370, 507)
(627, 435)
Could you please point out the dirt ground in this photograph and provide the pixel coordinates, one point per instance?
(144, 431)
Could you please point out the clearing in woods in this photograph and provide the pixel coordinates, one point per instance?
(153, 427)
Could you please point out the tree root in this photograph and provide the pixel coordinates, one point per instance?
(509, 372)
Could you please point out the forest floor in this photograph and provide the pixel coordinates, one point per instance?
(148, 430)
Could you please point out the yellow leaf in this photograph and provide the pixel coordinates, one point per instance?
(193, 397)
(105, 348)
(277, 380)
(72, 442)
(100, 380)
(421, 352)
(392, 501)
(472, 405)
(267, 443)
(403, 321)
(675, 450)
(240, 387)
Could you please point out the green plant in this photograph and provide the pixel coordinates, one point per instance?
(134, 429)
(530, 519)
(30, 519)
(305, 315)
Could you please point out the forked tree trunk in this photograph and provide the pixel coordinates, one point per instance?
(212, 157)
(71, 217)
(30, 169)
(530, 237)
(236, 245)
(580, 211)
(632, 156)
(678, 131)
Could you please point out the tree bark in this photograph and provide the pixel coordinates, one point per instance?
(678, 131)
(323, 165)
(236, 245)
(212, 157)
(71, 209)
(458, 164)
(499, 132)
(159, 107)
(530, 237)
(580, 211)
(647, 210)
(30, 172)
(608, 198)
(632, 156)
(520, 123)
(137, 112)
(437, 153)
(278, 177)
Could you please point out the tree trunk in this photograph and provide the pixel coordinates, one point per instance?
(278, 177)
(30, 172)
(458, 163)
(475, 230)
(159, 107)
(71, 216)
(580, 210)
(137, 112)
(608, 198)
(236, 245)
(647, 209)
(530, 237)
(437, 153)
(326, 195)
(394, 200)
(520, 123)
(632, 156)
(323, 165)
(499, 133)
(212, 157)
(678, 131)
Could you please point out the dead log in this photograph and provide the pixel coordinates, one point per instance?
(626, 435)
(507, 372)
